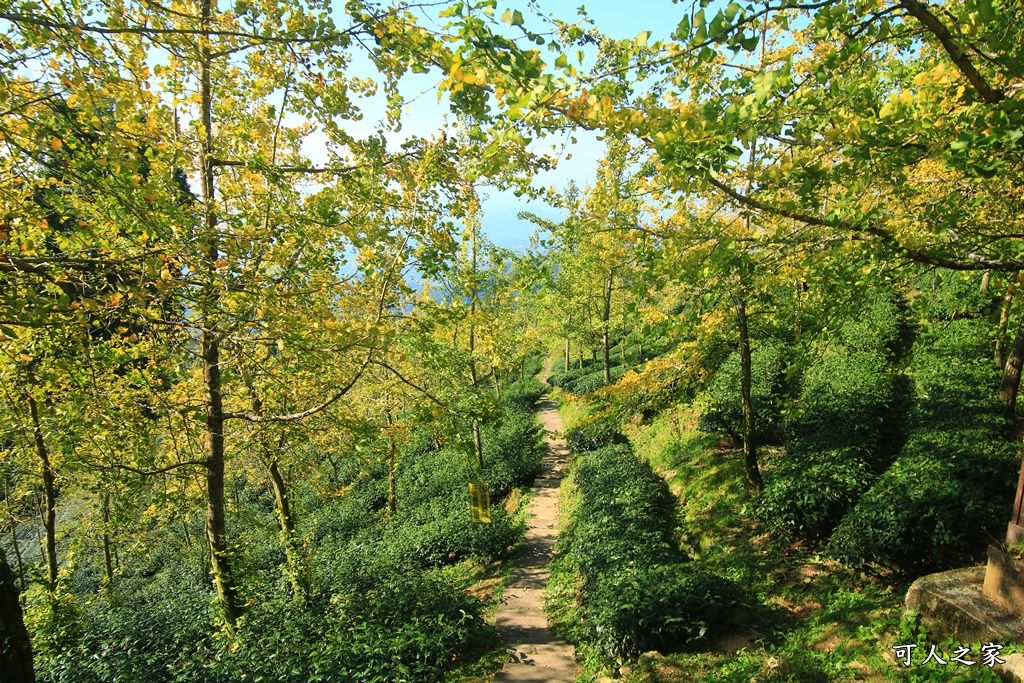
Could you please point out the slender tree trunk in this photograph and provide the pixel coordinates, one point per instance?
(1004, 319)
(497, 382)
(17, 555)
(392, 482)
(606, 314)
(985, 280)
(753, 472)
(1011, 374)
(216, 526)
(216, 531)
(15, 646)
(478, 446)
(14, 540)
(798, 290)
(295, 558)
(49, 494)
(568, 324)
(108, 564)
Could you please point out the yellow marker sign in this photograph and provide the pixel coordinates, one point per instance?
(480, 503)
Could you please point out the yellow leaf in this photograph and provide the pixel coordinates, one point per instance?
(55, 143)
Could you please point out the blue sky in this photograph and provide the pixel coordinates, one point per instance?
(425, 115)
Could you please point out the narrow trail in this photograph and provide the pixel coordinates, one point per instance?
(537, 654)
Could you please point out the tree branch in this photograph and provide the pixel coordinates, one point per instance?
(407, 382)
(149, 473)
(305, 413)
(54, 25)
(921, 12)
(973, 261)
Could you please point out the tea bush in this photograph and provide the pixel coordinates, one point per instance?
(947, 491)
(847, 426)
(590, 435)
(375, 611)
(845, 433)
(724, 412)
(638, 591)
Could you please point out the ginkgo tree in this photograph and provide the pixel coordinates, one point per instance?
(184, 129)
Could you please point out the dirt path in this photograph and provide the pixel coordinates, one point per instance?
(537, 654)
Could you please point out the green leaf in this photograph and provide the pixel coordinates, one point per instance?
(683, 29)
(985, 10)
(642, 37)
(512, 17)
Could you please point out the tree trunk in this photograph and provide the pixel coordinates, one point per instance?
(985, 280)
(477, 441)
(606, 314)
(216, 532)
(216, 527)
(392, 482)
(49, 494)
(1011, 374)
(1004, 319)
(798, 288)
(753, 473)
(567, 355)
(108, 564)
(293, 553)
(17, 554)
(14, 540)
(295, 559)
(15, 646)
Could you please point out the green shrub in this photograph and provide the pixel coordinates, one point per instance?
(883, 327)
(439, 532)
(390, 624)
(523, 394)
(576, 370)
(660, 607)
(533, 365)
(638, 592)
(953, 295)
(851, 400)
(513, 452)
(847, 425)
(592, 381)
(145, 628)
(724, 412)
(591, 435)
(950, 486)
